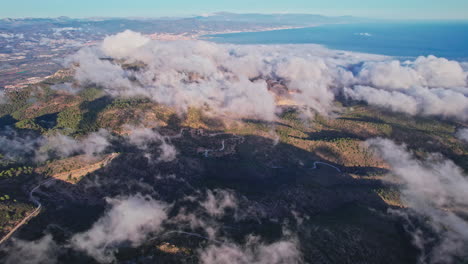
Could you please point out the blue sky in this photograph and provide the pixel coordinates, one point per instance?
(406, 9)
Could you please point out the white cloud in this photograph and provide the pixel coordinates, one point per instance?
(311, 80)
(168, 152)
(143, 137)
(436, 189)
(218, 201)
(440, 72)
(253, 252)
(131, 220)
(15, 146)
(128, 42)
(101, 72)
(428, 71)
(206, 210)
(389, 75)
(231, 80)
(219, 77)
(396, 101)
(42, 251)
(417, 100)
(462, 134)
(64, 146)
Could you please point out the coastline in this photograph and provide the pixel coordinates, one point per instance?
(204, 35)
(363, 38)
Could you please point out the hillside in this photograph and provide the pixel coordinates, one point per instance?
(334, 214)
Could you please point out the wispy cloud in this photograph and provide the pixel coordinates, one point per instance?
(130, 219)
(436, 191)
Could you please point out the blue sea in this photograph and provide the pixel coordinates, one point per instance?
(404, 40)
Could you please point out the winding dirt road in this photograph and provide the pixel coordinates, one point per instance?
(31, 215)
(326, 164)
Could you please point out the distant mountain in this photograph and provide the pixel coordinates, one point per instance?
(279, 19)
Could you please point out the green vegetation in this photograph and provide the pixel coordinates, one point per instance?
(123, 103)
(90, 94)
(11, 212)
(72, 111)
(90, 111)
(16, 171)
(16, 100)
(29, 124)
(336, 139)
(390, 195)
(70, 118)
(58, 80)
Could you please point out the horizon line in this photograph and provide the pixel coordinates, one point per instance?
(233, 13)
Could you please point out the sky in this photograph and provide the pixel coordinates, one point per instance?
(399, 9)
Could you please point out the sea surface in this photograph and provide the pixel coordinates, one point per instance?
(409, 39)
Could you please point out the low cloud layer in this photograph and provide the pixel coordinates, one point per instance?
(462, 134)
(15, 146)
(251, 81)
(415, 101)
(42, 251)
(64, 146)
(253, 252)
(130, 220)
(205, 211)
(218, 201)
(42, 148)
(437, 190)
(430, 72)
(144, 138)
(428, 86)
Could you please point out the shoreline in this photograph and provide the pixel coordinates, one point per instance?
(204, 35)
